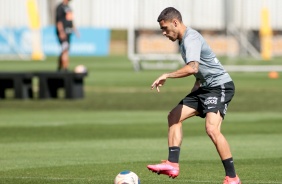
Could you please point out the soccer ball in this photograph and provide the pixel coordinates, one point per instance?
(127, 177)
(80, 69)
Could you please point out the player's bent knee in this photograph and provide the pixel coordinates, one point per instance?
(171, 118)
(210, 131)
(174, 117)
(213, 132)
(180, 113)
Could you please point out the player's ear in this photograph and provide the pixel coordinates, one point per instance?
(175, 22)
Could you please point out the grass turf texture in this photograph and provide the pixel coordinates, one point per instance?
(121, 124)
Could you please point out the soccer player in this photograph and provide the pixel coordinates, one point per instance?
(64, 28)
(209, 97)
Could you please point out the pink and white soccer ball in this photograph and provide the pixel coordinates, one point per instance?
(127, 177)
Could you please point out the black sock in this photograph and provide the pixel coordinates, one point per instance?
(229, 167)
(173, 155)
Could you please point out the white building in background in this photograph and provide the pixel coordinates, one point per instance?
(200, 14)
(235, 22)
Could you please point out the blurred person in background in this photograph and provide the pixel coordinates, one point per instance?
(64, 28)
(209, 97)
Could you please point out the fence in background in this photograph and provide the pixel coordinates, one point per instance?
(238, 18)
(200, 14)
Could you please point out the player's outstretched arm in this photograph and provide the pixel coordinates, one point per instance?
(159, 81)
(189, 69)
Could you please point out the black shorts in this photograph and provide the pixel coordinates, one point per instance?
(210, 99)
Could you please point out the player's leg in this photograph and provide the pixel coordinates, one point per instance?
(65, 60)
(60, 56)
(215, 102)
(60, 62)
(65, 55)
(175, 135)
(170, 167)
(213, 125)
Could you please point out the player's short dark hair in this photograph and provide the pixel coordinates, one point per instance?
(169, 14)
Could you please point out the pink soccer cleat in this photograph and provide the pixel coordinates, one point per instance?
(229, 180)
(166, 167)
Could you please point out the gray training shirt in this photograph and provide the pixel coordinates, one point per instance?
(193, 47)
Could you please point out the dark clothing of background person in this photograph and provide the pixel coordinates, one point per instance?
(64, 29)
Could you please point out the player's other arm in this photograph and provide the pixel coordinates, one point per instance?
(196, 86)
(189, 69)
(59, 22)
(61, 30)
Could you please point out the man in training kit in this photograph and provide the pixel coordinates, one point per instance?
(64, 28)
(209, 97)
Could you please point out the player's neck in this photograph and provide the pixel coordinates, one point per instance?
(182, 32)
(65, 2)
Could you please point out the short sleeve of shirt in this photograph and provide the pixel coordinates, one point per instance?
(192, 44)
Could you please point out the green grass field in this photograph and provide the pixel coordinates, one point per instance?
(121, 125)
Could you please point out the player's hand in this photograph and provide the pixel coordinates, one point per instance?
(159, 82)
(77, 34)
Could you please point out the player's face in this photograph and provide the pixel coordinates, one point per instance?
(169, 29)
